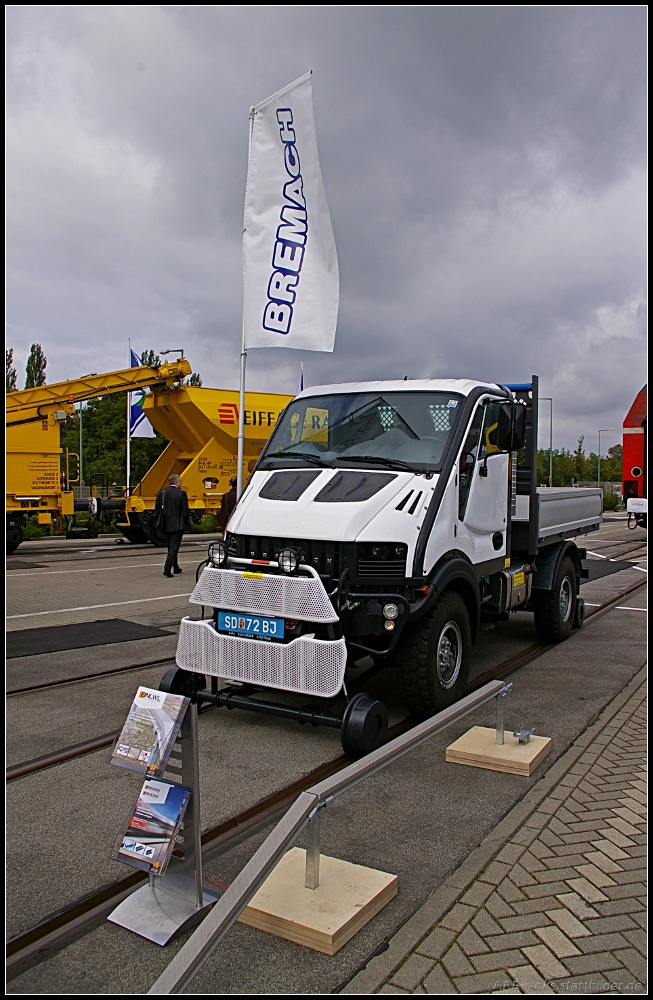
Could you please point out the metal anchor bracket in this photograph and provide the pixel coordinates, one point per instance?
(524, 735)
(501, 709)
(312, 880)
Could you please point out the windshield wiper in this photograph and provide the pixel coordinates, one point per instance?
(390, 463)
(315, 459)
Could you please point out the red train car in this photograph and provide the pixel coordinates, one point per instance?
(634, 459)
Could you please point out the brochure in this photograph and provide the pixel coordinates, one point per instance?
(148, 736)
(149, 839)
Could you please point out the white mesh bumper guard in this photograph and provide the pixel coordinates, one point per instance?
(298, 597)
(305, 665)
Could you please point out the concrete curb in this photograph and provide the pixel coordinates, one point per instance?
(381, 966)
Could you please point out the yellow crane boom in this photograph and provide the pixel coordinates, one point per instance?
(34, 481)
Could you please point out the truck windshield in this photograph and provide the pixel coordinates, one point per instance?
(397, 429)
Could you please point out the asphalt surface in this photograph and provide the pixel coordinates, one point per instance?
(416, 818)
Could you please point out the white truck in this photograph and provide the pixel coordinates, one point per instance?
(385, 519)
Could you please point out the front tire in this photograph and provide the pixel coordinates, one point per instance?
(555, 610)
(433, 660)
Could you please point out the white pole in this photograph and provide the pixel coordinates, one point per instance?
(81, 453)
(243, 356)
(128, 422)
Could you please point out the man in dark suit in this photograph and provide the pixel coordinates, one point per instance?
(172, 503)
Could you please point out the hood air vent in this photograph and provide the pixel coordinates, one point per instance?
(353, 487)
(287, 485)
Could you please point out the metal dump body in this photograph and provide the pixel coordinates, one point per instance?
(562, 512)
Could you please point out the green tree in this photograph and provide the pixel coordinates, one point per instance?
(104, 442)
(11, 371)
(35, 368)
(579, 459)
(150, 359)
(195, 379)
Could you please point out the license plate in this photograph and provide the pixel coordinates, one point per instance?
(253, 626)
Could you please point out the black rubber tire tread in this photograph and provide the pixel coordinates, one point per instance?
(546, 606)
(415, 658)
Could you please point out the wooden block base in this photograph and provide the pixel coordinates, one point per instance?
(325, 918)
(477, 748)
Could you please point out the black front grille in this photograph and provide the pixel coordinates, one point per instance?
(365, 561)
(382, 569)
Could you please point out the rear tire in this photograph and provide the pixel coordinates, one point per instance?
(433, 660)
(555, 610)
(154, 534)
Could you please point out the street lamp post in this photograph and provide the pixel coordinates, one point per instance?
(604, 430)
(550, 401)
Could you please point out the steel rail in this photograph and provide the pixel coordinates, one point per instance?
(502, 669)
(88, 677)
(52, 933)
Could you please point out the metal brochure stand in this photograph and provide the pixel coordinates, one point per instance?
(174, 901)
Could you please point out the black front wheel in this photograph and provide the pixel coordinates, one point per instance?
(364, 725)
(185, 682)
(433, 659)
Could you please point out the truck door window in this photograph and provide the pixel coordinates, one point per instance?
(468, 458)
(490, 426)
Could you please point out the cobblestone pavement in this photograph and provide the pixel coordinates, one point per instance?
(558, 905)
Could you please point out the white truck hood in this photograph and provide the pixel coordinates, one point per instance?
(341, 521)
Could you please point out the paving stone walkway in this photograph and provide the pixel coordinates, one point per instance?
(558, 905)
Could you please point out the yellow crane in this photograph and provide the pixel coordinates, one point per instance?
(201, 425)
(35, 482)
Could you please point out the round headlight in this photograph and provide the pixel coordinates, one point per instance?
(218, 553)
(390, 611)
(377, 551)
(288, 560)
(389, 626)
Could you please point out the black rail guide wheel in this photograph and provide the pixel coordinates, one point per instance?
(364, 725)
(178, 681)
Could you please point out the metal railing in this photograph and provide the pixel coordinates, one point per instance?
(306, 809)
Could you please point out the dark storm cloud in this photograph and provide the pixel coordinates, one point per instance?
(485, 171)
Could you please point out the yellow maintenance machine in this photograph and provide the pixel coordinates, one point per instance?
(200, 424)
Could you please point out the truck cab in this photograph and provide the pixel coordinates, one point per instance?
(388, 519)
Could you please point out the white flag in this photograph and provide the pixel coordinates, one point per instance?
(290, 267)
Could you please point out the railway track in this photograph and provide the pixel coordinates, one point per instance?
(60, 928)
(98, 743)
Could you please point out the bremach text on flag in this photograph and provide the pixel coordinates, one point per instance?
(139, 425)
(290, 264)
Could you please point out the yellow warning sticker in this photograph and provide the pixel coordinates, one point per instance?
(507, 564)
(518, 579)
(253, 576)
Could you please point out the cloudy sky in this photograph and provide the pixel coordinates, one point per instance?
(485, 170)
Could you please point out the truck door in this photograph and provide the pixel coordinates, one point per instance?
(483, 488)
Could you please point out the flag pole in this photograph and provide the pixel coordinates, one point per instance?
(128, 422)
(243, 353)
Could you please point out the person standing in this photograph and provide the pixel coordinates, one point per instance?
(172, 508)
(229, 501)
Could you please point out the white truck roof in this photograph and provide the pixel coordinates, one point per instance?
(463, 386)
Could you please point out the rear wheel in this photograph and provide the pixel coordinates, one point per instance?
(154, 534)
(433, 660)
(555, 610)
(14, 537)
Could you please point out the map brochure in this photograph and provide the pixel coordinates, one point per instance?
(150, 836)
(148, 736)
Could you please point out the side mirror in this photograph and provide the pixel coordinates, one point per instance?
(511, 431)
(519, 428)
